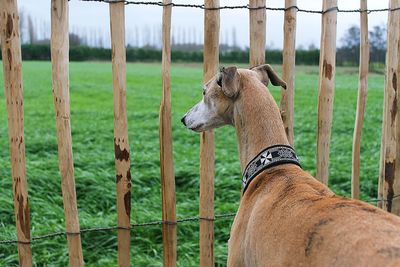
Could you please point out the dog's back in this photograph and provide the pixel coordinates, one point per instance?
(304, 224)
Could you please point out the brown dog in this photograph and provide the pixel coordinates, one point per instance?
(286, 217)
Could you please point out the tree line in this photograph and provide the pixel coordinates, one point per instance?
(348, 54)
(86, 53)
(186, 45)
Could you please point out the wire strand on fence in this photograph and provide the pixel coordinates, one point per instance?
(161, 4)
(144, 224)
(113, 228)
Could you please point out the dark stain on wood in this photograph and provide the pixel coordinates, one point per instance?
(127, 202)
(389, 178)
(314, 239)
(120, 154)
(118, 178)
(128, 175)
(9, 26)
(23, 216)
(9, 58)
(394, 81)
(393, 112)
(20, 142)
(327, 69)
(394, 106)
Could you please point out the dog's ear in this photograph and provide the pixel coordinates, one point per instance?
(267, 73)
(228, 80)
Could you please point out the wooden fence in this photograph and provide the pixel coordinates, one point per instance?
(389, 181)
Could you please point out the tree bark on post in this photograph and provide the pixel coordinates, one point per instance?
(166, 155)
(361, 100)
(60, 75)
(207, 164)
(326, 87)
(389, 180)
(121, 142)
(288, 72)
(258, 18)
(12, 71)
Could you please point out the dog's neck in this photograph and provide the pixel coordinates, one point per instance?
(257, 121)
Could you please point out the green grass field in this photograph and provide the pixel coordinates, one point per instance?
(92, 133)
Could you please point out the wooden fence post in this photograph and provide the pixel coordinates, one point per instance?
(211, 61)
(258, 17)
(121, 143)
(327, 66)
(60, 75)
(389, 175)
(12, 71)
(288, 73)
(166, 155)
(361, 100)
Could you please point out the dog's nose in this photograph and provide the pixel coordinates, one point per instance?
(183, 120)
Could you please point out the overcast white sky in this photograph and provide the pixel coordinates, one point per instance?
(94, 16)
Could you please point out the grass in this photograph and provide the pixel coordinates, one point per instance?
(92, 133)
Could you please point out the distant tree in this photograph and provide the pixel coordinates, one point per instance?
(138, 36)
(100, 36)
(194, 35)
(348, 52)
(227, 37)
(234, 38)
(352, 37)
(74, 39)
(31, 31)
(184, 36)
(22, 25)
(146, 35)
(377, 42)
(173, 39)
(311, 46)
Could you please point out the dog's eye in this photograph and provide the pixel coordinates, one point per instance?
(204, 92)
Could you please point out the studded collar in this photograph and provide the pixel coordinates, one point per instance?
(269, 157)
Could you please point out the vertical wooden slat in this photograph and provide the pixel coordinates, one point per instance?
(361, 100)
(288, 73)
(389, 180)
(326, 87)
(211, 61)
(257, 32)
(166, 155)
(60, 75)
(12, 71)
(121, 144)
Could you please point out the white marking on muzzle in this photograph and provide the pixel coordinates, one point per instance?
(203, 117)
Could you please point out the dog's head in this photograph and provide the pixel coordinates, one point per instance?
(220, 94)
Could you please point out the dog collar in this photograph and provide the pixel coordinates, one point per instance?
(269, 157)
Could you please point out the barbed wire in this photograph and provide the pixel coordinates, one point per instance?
(161, 4)
(144, 224)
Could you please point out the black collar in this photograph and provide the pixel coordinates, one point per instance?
(269, 157)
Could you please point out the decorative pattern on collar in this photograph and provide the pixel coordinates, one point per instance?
(269, 157)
